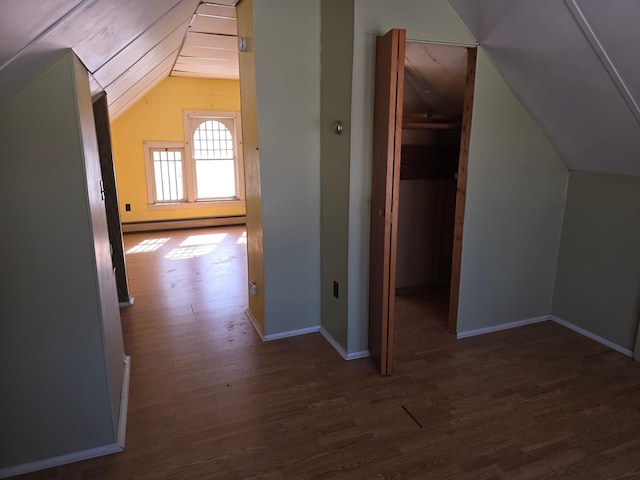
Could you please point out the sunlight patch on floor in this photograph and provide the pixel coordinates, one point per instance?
(184, 253)
(208, 239)
(149, 245)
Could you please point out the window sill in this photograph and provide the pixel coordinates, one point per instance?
(207, 204)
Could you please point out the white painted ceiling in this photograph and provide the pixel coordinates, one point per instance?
(573, 64)
(210, 48)
(128, 46)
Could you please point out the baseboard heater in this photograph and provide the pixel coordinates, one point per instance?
(188, 223)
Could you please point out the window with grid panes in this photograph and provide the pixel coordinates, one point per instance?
(214, 157)
(205, 169)
(168, 174)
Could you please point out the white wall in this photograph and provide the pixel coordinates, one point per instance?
(287, 62)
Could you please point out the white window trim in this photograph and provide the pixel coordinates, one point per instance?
(187, 115)
(149, 170)
(188, 165)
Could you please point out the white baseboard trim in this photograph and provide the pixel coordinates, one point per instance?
(338, 348)
(356, 355)
(124, 401)
(129, 303)
(503, 326)
(276, 336)
(60, 460)
(291, 333)
(544, 318)
(187, 223)
(84, 454)
(92, 452)
(332, 341)
(255, 324)
(592, 336)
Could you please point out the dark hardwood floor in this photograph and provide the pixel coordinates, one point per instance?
(209, 400)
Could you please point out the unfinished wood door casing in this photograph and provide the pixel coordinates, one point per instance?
(387, 142)
(461, 191)
(103, 132)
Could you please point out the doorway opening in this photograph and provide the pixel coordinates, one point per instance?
(422, 122)
(432, 111)
(192, 267)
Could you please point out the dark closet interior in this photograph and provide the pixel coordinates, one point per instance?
(432, 117)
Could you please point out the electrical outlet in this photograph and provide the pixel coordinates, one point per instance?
(127, 207)
(336, 289)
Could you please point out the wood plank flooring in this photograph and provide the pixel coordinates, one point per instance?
(209, 400)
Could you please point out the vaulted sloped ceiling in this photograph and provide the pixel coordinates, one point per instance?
(210, 47)
(573, 64)
(128, 46)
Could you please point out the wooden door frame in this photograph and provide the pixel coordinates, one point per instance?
(103, 133)
(461, 190)
(384, 362)
(385, 181)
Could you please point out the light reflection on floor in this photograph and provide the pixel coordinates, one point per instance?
(193, 246)
(196, 246)
(148, 245)
(193, 291)
(204, 239)
(188, 270)
(184, 253)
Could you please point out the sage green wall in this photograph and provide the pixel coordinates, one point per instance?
(56, 396)
(515, 200)
(598, 279)
(516, 182)
(336, 71)
(287, 66)
(430, 20)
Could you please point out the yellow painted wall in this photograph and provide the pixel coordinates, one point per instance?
(158, 117)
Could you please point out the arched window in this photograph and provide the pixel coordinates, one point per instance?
(214, 155)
